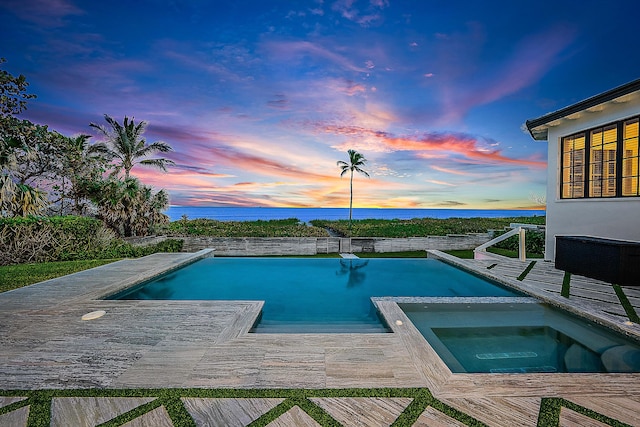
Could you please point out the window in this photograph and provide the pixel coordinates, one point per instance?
(612, 166)
(602, 177)
(630, 160)
(573, 166)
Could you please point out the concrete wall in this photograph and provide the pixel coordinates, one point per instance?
(617, 218)
(254, 246)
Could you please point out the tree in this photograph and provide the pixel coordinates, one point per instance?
(356, 162)
(81, 162)
(126, 144)
(16, 197)
(128, 207)
(13, 96)
(20, 199)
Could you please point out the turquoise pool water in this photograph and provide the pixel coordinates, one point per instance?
(520, 338)
(314, 295)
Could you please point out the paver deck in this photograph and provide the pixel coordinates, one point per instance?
(45, 345)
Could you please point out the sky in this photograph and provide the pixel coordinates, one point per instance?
(259, 99)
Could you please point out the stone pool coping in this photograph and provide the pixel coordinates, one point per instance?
(160, 344)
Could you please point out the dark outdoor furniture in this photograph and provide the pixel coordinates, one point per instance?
(609, 260)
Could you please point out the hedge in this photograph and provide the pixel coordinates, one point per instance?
(66, 238)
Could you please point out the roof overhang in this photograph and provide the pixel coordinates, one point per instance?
(539, 128)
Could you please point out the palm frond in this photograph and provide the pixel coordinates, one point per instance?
(362, 171)
(153, 148)
(158, 163)
(125, 143)
(356, 161)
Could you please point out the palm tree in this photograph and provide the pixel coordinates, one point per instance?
(82, 161)
(125, 143)
(356, 161)
(127, 206)
(20, 199)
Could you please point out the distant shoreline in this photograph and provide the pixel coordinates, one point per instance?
(307, 214)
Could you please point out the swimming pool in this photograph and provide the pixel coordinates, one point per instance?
(520, 338)
(313, 294)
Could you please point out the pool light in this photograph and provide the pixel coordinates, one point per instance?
(94, 315)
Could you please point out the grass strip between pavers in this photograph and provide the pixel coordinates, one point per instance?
(131, 415)
(624, 301)
(566, 285)
(526, 271)
(39, 402)
(549, 414)
(592, 414)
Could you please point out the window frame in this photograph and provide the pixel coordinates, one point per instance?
(587, 179)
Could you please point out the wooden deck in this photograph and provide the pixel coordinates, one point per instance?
(205, 345)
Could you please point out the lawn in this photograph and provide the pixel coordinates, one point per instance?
(17, 276)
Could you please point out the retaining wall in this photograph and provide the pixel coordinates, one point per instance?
(259, 246)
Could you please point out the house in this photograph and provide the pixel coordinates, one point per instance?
(593, 177)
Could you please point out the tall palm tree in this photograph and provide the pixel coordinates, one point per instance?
(125, 143)
(356, 161)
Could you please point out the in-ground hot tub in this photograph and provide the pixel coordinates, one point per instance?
(520, 337)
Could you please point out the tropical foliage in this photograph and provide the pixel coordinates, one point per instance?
(356, 162)
(50, 238)
(62, 238)
(128, 207)
(275, 228)
(420, 227)
(45, 173)
(24, 150)
(20, 199)
(82, 163)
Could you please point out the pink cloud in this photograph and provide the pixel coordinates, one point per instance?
(453, 171)
(427, 145)
(465, 145)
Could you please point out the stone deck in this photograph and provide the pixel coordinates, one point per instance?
(186, 345)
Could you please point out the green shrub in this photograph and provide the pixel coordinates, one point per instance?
(291, 227)
(534, 242)
(421, 227)
(121, 249)
(39, 239)
(36, 239)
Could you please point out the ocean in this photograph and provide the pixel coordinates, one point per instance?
(307, 214)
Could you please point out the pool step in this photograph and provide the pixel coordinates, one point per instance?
(511, 355)
(317, 328)
(525, 370)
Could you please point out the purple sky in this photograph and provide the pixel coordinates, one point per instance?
(259, 99)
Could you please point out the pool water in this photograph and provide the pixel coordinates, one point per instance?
(520, 338)
(314, 295)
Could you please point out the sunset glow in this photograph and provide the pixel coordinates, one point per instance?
(259, 99)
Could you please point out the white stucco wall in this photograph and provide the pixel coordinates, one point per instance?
(611, 218)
